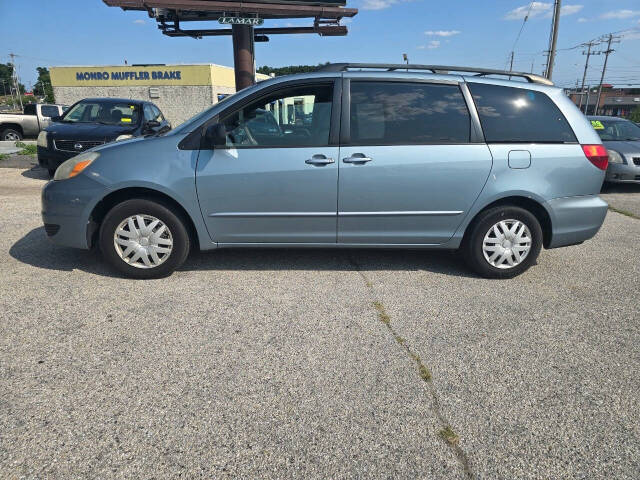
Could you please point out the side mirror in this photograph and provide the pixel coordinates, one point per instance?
(57, 118)
(151, 124)
(216, 135)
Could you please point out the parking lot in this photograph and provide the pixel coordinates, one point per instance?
(317, 364)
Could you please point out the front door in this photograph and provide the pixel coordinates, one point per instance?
(409, 172)
(276, 179)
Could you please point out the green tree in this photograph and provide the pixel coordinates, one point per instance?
(291, 69)
(635, 115)
(43, 85)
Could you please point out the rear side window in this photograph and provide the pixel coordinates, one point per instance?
(49, 111)
(513, 115)
(398, 113)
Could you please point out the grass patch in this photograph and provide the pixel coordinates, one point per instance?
(425, 374)
(449, 436)
(382, 314)
(26, 149)
(624, 212)
(4, 156)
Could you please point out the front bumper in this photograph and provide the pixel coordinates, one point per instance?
(51, 159)
(575, 219)
(67, 207)
(621, 173)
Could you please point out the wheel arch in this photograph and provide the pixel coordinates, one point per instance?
(533, 206)
(118, 196)
(14, 126)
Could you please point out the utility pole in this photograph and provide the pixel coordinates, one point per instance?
(586, 107)
(604, 67)
(14, 75)
(553, 40)
(586, 66)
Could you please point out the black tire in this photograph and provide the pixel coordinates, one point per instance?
(472, 247)
(10, 131)
(159, 210)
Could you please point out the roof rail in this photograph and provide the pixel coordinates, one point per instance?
(479, 72)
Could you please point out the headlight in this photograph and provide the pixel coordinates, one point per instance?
(42, 139)
(75, 165)
(615, 157)
(123, 137)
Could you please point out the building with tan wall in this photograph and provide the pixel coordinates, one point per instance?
(180, 91)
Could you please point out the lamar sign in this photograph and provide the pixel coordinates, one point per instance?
(240, 21)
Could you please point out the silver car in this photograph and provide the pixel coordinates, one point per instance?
(353, 155)
(622, 140)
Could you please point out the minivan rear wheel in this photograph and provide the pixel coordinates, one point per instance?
(144, 239)
(504, 241)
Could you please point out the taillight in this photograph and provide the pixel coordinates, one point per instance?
(597, 155)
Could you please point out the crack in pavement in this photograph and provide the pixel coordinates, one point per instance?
(446, 432)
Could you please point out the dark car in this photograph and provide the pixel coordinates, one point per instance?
(94, 121)
(622, 140)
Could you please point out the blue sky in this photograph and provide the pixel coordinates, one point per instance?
(457, 32)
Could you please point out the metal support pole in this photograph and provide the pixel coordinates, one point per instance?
(554, 39)
(243, 55)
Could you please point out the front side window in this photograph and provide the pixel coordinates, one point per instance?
(157, 114)
(294, 117)
(519, 115)
(399, 113)
(108, 113)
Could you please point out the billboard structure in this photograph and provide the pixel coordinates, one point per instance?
(242, 21)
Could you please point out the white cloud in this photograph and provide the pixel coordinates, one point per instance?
(583, 20)
(377, 4)
(620, 14)
(540, 9)
(431, 45)
(570, 9)
(139, 21)
(537, 9)
(442, 33)
(631, 36)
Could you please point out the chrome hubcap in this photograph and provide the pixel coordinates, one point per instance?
(507, 244)
(11, 136)
(143, 241)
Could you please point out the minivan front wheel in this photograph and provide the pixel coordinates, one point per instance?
(144, 239)
(504, 242)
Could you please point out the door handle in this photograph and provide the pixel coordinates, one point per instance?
(358, 158)
(319, 160)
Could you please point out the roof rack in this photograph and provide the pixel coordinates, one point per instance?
(390, 67)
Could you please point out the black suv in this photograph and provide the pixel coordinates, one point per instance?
(95, 121)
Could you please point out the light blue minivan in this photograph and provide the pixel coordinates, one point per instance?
(353, 155)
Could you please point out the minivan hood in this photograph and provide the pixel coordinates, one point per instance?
(87, 131)
(621, 146)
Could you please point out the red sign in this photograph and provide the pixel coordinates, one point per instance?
(28, 94)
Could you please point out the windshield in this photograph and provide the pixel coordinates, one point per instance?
(612, 130)
(107, 113)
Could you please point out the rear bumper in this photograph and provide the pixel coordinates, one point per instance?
(575, 219)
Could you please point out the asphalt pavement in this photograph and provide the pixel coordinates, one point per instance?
(317, 363)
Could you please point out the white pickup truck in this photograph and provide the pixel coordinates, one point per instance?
(36, 117)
